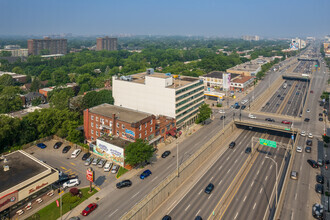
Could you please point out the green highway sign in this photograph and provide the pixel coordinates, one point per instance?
(267, 142)
(288, 129)
(315, 65)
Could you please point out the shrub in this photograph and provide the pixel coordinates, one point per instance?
(74, 191)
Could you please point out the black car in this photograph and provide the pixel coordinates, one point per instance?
(166, 153)
(66, 149)
(319, 188)
(232, 145)
(209, 188)
(124, 183)
(243, 107)
(86, 155)
(166, 217)
(282, 98)
(64, 178)
(289, 102)
(308, 149)
(269, 119)
(248, 150)
(279, 95)
(237, 107)
(222, 117)
(309, 142)
(320, 114)
(320, 179)
(306, 119)
(312, 163)
(267, 103)
(320, 119)
(198, 218)
(58, 145)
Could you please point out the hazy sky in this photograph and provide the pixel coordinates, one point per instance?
(270, 18)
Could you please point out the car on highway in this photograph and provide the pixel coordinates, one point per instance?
(107, 167)
(91, 207)
(88, 161)
(269, 119)
(308, 149)
(101, 163)
(232, 144)
(306, 119)
(294, 175)
(41, 145)
(282, 98)
(312, 163)
(289, 102)
(321, 114)
(96, 161)
(312, 91)
(319, 188)
(75, 153)
(221, 111)
(66, 149)
(303, 133)
(124, 183)
(320, 119)
(198, 218)
(252, 116)
(310, 135)
(320, 178)
(243, 107)
(71, 183)
(309, 142)
(209, 188)
(286, 122)
(278, 95)
(320, 162)
(145, 174)
(57, 145)
(222, 117)
(308, 110)
(166, 154)
(299, 149)
(167, 217)
(114, 169)
(248, 150)
(267, 103)
(86, 156)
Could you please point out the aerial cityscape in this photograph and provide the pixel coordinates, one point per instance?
(167, 110)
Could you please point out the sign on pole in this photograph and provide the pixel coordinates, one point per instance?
(288, 129)
(90, 174)
(267, 143)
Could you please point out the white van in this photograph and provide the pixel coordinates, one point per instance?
(107, 167)
(75, 153)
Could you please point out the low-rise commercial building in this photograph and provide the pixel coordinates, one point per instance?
(240, 84)
(17, 77)
(215, 79)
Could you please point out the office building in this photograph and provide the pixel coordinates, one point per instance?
(106, 43)
(53, 46)
(175, 96)
(251, 38)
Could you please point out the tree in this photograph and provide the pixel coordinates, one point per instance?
(94, 98)
(36, 101)
(60, 99)
(7, 80)
(204, 113)
(10, 99)
(17, 70)
(44, 52)
(35, 85)
(9, 131)
(138, 152)
(5, 54)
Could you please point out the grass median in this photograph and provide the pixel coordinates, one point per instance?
(69, 202)
(121, 171)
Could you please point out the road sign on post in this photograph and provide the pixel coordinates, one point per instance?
(267, 142)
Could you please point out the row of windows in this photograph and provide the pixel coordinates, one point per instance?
(190, 93)
(189, 110)
(189, 99)
(188, 88)
(122, 133)
(190, 104)
(188, 116)
(118, 125)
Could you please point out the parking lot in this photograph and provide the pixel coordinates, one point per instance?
(71, 166)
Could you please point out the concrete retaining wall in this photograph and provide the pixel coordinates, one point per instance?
(160, 193)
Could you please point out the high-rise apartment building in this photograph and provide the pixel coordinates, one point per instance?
(55, 46)
(106, 43)
(250, 38)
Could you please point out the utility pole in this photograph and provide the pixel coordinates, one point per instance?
(177, 158)
(275, 180)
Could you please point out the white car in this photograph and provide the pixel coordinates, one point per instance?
(75, 153)
(303, 133)
(308, 110)
(252, 116)
(221, 111)
(310, 135)
(114, 168)
(107, 167)
(70, 183)
(299, 149)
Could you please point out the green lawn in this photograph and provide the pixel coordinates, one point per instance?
(51, 211)
(121, 171)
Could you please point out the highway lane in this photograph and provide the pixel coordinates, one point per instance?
(295, 100)
(253, 197)
(273, 103)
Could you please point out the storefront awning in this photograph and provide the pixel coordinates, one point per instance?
(155, 139)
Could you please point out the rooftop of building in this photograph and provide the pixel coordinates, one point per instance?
(22, 167)
(219, 75)
(122, 114)
(242, 79)
(117, 141)
(52, 55)
(178, 81)
(14, 75)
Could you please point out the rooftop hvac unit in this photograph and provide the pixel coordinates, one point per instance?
(150, 71)
(126, 78)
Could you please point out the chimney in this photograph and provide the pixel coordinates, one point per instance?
(114, 126)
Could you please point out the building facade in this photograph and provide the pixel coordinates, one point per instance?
(54, 46)
(242, 83)
(175, 96)
(251, 38)
(106, 43)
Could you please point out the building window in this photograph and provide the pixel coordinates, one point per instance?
(118, 133)
(92, 138)
(151, 122)
(145, 124)
(122, 126)
(117, 125)
(123, 134)
(140, 127)
(151, 129)
(92, 124)
(97, 133)
(97, 118)
(102, 120)
(145, 132)
(92, 131)
(92, 117)
(97, 126)
(140, 135)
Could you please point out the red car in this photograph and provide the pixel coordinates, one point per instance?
(311, 91)
(89, 209)
(286, 122)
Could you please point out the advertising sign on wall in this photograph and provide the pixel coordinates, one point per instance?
(226, 81)
(109, 151)
(8, 200)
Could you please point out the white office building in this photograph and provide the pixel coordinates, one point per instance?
(160, 94)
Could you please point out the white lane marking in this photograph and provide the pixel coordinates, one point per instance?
(252, 184)
(187, 207)
(244, 199)
(242, 152)
(220, 167)
(235, 160)
(266, 178)
(275, 157)
(210, 196)
(260, 190)
(135, 194)
(271, 166)
(234, 149)
(295, 197)
(300, 169)
(198, 212)
(228, 170)
(154, 178)
(258, 172)
(220, 182)
(211, 178)
(263, 162)
(200, 192)
(169, 208)
(113, 213)
(236, 215)
(254, 205)
(227, 158)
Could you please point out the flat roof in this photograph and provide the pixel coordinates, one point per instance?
(242, 79)
(123, 114)
(21, 168)
(219, 74)
(115, 141)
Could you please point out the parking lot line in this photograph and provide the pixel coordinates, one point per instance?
(73, 164)
(63, 168)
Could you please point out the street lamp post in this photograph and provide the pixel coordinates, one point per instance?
(275, 180)
(177, 158)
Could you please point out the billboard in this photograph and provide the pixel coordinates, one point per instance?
(109, 151)
(226, 77)
(90, 175)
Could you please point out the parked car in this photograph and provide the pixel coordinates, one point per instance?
(166, 153)
(286, 122)
(309, 142)
(66, 149)
(319, 188)
(64, 178)
(115, 168)
(91, 207)
(232, 145)
(145, 174)
(303, 133)
(101, 163)
(308, 110)
(88, 161)
(41, 145)
(321, 114)
(96, 161)
(86, 156)
(310, 135)
(294, 175)
(299, 149)
(312, 163)
(124, 183)
(308, 149)
(320, 178)
(70, 183)
(209, 188)
(318, 211)
(320, 162)
(57, 145)
(107, 167)
(306, 119)
(248, 150)
(75, 153)
(222, 117)
(243, 107)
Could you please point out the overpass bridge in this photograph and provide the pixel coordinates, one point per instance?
(296, 76)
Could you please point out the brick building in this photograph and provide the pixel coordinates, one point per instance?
(55, 46)
(106, 43)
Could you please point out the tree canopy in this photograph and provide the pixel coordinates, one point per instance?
(138, 152)
(204, 113)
